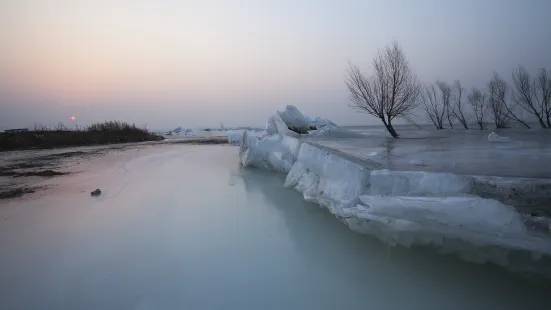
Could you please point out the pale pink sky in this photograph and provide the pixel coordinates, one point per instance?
(198, 63)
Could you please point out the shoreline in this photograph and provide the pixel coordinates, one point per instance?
(23, 171)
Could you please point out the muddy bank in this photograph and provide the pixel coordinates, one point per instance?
(16, 192)
(201, 141)
(22, 172)
(43, 173)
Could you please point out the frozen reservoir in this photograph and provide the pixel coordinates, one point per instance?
(186, 227)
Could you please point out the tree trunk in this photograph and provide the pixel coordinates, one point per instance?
(390, 129)
(524, 123)
(481, 126)
(542, 123)
(450, 122)
(548, 121)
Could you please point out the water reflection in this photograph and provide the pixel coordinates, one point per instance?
(397, 279)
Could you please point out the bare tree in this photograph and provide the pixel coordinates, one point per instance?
(498, 94)
(457, 108)
(524, 92)
(477, 99)
(390, 92)
(542, 95)
(445, 93)
(499, 91)
(434, 108)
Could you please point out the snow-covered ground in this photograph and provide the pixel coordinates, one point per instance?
(435, 190)
(185, 227)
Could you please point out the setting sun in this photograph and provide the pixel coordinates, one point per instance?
(73, 118)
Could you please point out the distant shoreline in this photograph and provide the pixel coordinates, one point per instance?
(96, 134)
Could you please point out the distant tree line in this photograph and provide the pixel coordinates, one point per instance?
(393, 91)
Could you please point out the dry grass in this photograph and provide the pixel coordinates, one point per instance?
(60, 135)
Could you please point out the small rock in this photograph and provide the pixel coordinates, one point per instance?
(97, 192)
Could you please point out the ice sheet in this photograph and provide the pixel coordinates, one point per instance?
(412, 183)
(462, 152)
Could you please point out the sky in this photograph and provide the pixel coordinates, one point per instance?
(168, 63)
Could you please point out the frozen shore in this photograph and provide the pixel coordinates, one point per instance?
(476, 217)
(181, 226)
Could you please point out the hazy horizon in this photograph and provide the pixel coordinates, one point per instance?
(201, 63)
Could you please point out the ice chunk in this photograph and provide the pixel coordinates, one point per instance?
(295, 175)
(478, 229)
(319, 122)
(235, 136)
(526, 194)
(469, 213)
(327, 179)
(274, 152)
(294, 118)
(261, 133)
(494, 137)
(275, 125)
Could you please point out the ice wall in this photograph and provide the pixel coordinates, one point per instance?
(401, 207)
(275, 152)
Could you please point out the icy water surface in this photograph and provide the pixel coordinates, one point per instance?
(184, 227)
(458, 151)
